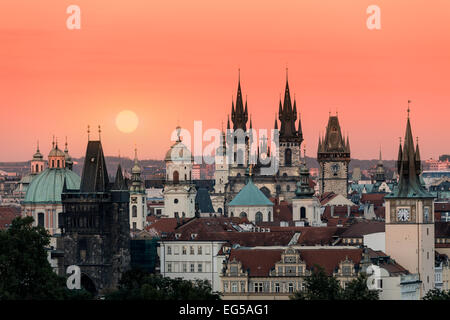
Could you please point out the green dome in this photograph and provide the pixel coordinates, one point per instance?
(250, 195)
(47, 186)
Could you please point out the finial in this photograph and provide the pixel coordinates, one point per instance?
(37, 146)
(88, 131)
(304, 153)
(178, 128)
(135, 151)
(56, 142)
(287, 72)
(239, 75)
(417, 140)
(53, 142)
(99, 133)
(65, 145)
(409, 101)
(250, 170)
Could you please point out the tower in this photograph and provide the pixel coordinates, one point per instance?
(68, 158)
(333, 155)
(410, 218)
(305, 207)
(179, 191)
(96, 228)
(37, 163)
(290, 137)
(138, 203)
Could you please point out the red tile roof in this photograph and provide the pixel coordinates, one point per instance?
(442, 207)
(364, 227)
(258, 262)
(163, 225)
(376, 199)
(329, 259)
(282, 212)
(326, 196)
(7, 215)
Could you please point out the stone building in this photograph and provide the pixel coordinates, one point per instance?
(138, 197)
(333, 155)
(96, 229)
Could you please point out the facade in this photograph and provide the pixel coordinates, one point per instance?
(138, 198)
(333, 155)
(179, 190)
(96, 228)
(410, 218)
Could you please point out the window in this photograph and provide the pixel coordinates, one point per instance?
(380, 283)
(290, 270)
(288, 157)
(225, 286)
(300, 270)
(243, 215)
(277, 287)
(258, 217)
(234, 287)
(134, 211)
(199, 250)
(234, 270)
(199, 267)
(346, 270)
(258, 286)
(280, 270)
(290, 287)
(169, 250)
(184, 267)
(176, 177)
(175, 200)
(134, 226)
(192, 267)
(184, 250)
(41, 219)
(302, 213)
(242, 286)
(191, 250)
(207, 250)
(169, 267)
(176, 251)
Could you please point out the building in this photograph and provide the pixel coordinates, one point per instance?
(333, 155)
(179, 189)
(138, 197)
(410, 218)
(96, 227)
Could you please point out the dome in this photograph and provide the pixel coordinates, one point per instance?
(38, 156)
(136, 169)
(179, 152)
(55, 152)
(47, 186)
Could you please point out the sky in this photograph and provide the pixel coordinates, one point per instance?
(174, 62)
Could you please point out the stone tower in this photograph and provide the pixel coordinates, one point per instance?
(333, 155)
(138, 203)
(410, 218)
(96, 230)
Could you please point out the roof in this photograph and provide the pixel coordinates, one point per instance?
(7, 215)
(250, 195)
(376, 199)
(362, 228)
(178, 152)
(329, 259)
(282, 212)
(47, 186)
(95, 175)
(258, 262)
(203, 200)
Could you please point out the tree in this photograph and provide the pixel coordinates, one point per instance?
(25, 272)
(141, 285)
(319, 286)
(437, 294)
(357, 290)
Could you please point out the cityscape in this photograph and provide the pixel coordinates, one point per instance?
(249, 200)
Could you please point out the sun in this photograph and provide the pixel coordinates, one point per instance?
(127, 121)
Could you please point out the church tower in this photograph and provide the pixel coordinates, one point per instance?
(333, 155)
(37, 163)
(290, 138)
(138, 203)
(410, 218)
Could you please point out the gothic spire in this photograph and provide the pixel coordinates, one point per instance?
(239, 116)
(119, 182)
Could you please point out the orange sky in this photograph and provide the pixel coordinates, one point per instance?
(172, 61)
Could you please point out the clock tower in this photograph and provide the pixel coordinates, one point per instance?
(409, 216)
(333, 155)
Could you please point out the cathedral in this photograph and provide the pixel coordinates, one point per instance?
(234, 154)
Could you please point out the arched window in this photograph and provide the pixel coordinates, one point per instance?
(175, 201)
(231, 214)
(266, 191)
(53, 163)
(176, 177)
(57, 163)
(134, 211)
(288, 157)
(41, 219)
(60, 220)
(37, 168)
(302, 213)
(258, 217)
(268, 217)
(243, 215)
(288, 188)
(219, 210)
(185, 177)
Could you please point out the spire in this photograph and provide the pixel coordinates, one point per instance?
(400, 155)
(53, 142)
(37, 149)
(228, 122)
(119, 182)
(239, 116)
(409, 185)
(99, 133)
(88, 132)
(348, 144)
(300, 130)
(417, 157)
(95, 175)
(288, 116)
(276, 122)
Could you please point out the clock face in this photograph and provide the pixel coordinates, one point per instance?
(335, 167)
(403, 214)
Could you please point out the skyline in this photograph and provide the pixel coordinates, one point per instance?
(171, 64)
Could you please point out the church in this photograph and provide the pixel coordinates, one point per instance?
(234, 154)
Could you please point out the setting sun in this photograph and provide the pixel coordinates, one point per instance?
(127, 121)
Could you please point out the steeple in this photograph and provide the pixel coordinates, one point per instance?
(95, 176)
(409, 185)
(119, 182)
(239, 116)
(276, 122)
(334, 141)
(417, 157)
(287, 114)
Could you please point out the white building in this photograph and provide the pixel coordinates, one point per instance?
(138, 199)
